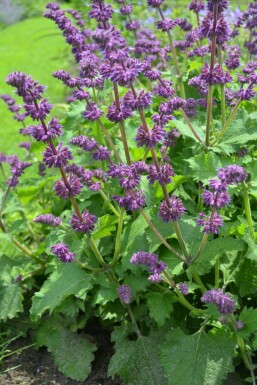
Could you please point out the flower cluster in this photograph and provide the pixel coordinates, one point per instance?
(155, 267)
(62, 252)
(224, 303)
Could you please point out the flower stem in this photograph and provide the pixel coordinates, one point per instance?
(180, 239)
(97, 252)
(118, 238)
(160, 237)
(222, 91)
(190, 126)
(241, 345)
(227, 124)
(2, 171)
(248, 209)
(4, 199)
(107, 201)
(217, 273)
(122, 128)
(209, 116)
(201, 247)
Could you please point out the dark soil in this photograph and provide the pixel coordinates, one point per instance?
(36, 367)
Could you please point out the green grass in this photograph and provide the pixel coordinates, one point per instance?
(34, 46)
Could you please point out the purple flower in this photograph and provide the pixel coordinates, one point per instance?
(126, 9)
(133, 200)
(150, 138)
(62, 252)
(125, 293)
(101, 12)
(232, 174)
(210, 77)
(48, 219)
(133, 25)
(174, 211)
(210, 225)
(223, 301)
(166, 24)
(101, 153)
(92, 112)
(155, 267)
(85, 224)
(39, 112)
(57, 157)
(183, 288)
(154, 3)
(218, 185)
(164, 88)
(217, 199)
(118, 114)
(53, 130)
(17, 169)
(84, 142)
(25, 145)
(126, 73)
(163, 175)
(196, 5)
(73, 188)
(222, 4)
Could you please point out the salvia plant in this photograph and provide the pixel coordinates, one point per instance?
(137, 210)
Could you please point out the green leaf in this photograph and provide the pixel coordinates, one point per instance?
(105, 226)
(198, 358)
(74, 115)
(72, 353)
(134, 239)
(67, 280)
(10, 301)
(160, 306)
(249, 318)
(246, 278)
(204, 166)
(185, 130)
(136, 362)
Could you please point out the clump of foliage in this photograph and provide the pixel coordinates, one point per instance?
(138, 208)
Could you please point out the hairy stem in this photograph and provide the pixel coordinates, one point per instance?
(118, 238)
(248, 211)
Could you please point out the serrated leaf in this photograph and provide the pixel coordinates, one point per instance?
(249, 318)
(246, 278)
(134, 239)
(105, 226)
(198, 358)
(10, 301)
(185, 130)
(204, 166)
(74, 115)
(67, 280)
(72, 353)
(136, 362)
(160, 306)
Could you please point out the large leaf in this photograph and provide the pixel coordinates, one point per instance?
(72, 353)
(160, 306)
(136, 362)
(246, 278)
(66, 280)
(198, 358)
(10, 301)
(249, 318)
(204, 166)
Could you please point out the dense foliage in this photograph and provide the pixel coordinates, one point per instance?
(137, 210)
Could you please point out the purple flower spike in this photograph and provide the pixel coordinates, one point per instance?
(150, 139)
(92, 112)
(40, 112)
(219, 199)
(196, 6)
(223, 301)
(101, 12)
(150, 260)
(62, 252)
(63, 191)
(57, 158)
(210, 226)
(125, 294)
(48, 219)
(154, 3)
(174, 212)
(163, 175)
(85, 224)
(232, 174)
(183, 288)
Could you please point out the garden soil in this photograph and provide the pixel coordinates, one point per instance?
(36, 367)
